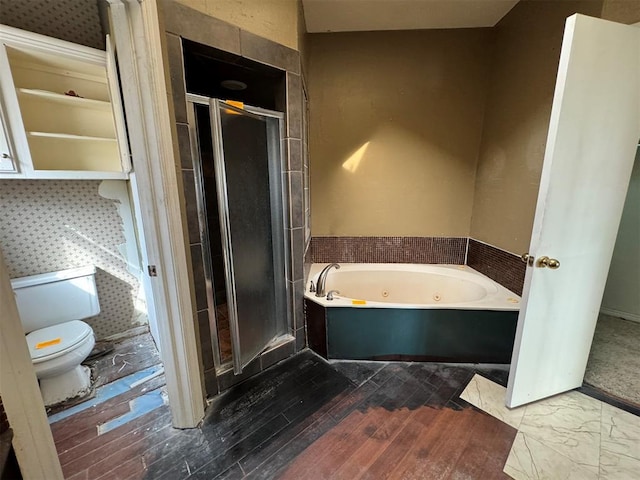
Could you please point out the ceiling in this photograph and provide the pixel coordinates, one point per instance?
(368, 15)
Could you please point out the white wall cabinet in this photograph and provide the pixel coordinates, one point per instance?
(61, 108)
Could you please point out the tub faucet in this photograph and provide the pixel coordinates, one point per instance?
(330, 294)
(322, 278)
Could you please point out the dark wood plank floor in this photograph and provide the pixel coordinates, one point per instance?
(305, 419)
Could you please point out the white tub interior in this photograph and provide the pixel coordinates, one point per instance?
(411, 286)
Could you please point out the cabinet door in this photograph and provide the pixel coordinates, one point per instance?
(11, 143)
(116, 105)
(7, 162)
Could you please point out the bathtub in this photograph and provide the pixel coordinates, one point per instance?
(448, 313)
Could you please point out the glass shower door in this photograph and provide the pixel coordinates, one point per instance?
(248, 178)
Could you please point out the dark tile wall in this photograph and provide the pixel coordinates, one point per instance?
(203, 326)
(183, 22)
(505, 268)
(445, 250)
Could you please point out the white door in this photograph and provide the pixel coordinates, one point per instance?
(593, 133)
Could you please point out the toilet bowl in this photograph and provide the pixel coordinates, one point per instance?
(57, 365)
(51, 307)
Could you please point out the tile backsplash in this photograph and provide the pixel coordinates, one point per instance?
(503, 267)
(443, 250)
(50, 225)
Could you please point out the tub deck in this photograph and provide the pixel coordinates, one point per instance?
(480, 329)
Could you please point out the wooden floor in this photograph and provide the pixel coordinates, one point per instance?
(302, 419)
(224, 333)
(83, 448)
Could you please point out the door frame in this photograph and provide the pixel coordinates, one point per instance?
(32, 440)
(213, 104)
(140, 42)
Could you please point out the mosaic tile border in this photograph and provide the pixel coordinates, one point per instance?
(433, 250)
(501, 266)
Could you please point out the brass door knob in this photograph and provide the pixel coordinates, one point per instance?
(526, 258)
(552, 263)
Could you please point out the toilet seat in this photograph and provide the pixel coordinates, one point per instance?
(54, 341)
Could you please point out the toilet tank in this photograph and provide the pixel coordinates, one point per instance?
(51, 298)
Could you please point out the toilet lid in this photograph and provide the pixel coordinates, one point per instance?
(48, 341)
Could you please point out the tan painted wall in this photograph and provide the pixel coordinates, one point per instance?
(276, 20)
(623, 283)
(303, 39)
(396, 119)
(525, 65)
(622, 11)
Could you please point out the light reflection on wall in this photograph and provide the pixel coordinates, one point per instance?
(353, 162)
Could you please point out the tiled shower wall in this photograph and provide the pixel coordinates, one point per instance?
(183, 22)
(50, 225)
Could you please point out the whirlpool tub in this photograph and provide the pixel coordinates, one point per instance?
(445, 313)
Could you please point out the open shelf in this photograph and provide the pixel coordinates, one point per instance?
(58, 135)
(44, 111)
(34, 70)
(45, 95)
(51, 151)
(66, 136)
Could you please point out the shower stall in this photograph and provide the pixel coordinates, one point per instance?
(238, 166)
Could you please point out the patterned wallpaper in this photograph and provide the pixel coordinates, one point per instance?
(76, 21)
(49, 225)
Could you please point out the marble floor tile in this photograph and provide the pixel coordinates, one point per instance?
(620, 444)
(489, 397)
(620, 432)
(530, 459)
(614, 466)
(568, 423)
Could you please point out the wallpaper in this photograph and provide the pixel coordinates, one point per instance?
(50, 225)
(76, 21)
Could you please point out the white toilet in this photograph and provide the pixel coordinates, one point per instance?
(51, 307)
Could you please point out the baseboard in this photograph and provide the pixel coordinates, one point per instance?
(617, 313)
(132, 332)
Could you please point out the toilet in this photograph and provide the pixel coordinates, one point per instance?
(51, 308)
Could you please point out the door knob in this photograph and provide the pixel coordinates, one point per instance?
(528, 259)
(552, 263)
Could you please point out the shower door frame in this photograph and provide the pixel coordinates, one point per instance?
(278, 204)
